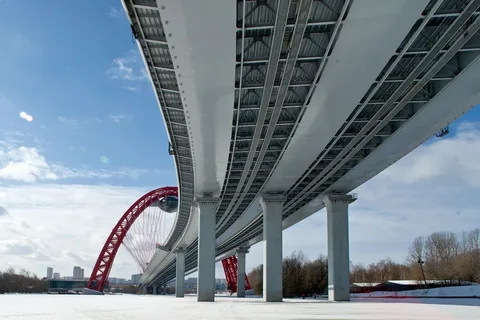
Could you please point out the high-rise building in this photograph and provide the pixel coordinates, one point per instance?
(56, 275)
(136, 278)
(49, 272)
(114, 280)
(78, 273)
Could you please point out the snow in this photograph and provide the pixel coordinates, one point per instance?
(415, 282)
(455, 291)
(365, 284)
(145, 307)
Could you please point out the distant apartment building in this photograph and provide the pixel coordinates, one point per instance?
(56, 275)
(113, 280)
(49, 273)
(136, 278)
(78, 273)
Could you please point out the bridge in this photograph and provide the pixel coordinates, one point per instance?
(276, 109)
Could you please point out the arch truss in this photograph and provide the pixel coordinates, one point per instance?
(107, 255)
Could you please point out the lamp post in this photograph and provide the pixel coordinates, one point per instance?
(421, 262)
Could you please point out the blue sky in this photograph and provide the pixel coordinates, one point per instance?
(65, 70)
(91, 141)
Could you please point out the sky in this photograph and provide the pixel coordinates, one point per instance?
(82, 138)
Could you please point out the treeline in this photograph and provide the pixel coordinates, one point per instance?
(300, 276)
(440, 256)
(21, 282)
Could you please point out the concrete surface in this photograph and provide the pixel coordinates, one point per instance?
(80, 307)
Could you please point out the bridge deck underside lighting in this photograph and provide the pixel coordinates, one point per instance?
(286, 53)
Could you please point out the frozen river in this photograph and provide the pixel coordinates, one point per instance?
(168, 307)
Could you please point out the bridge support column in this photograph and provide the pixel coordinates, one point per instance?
(241, 252)
(180, 273)
(144, 290)
(272, 206)
(338, 252)
(154, 290)
(206, 248)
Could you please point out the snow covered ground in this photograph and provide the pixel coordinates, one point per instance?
(457, 291)
(37, 307)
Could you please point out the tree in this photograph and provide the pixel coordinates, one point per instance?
(293, 278)
(415, 259)
(22, 282)
(255, 277)
(381, 271)
(468, 261)
(441, 251)
(316, 275)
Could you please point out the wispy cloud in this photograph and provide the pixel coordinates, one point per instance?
(75, 121)
(131, 89)
(128, 67)
(25, 116)
(12, 137)
(66, 120)
(117, 118)
(115, 13)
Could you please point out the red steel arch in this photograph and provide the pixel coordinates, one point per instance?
(230, 267)
(105, 259)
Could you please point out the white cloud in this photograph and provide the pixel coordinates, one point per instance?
(117, 118)
(12, 137)
(26, 116)
(104, 160)
(25, 164)
(69, 254)
(75, 121)
(131, 89)
(115, 13)
(66, 120)
(120, 172)
(128, 67)
(447, 158)
(40, 256)
(19, 247)
(69, 226)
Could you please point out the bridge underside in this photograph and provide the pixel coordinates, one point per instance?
(296, 98)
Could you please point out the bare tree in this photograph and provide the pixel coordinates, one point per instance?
(468, 261)
(416, 259)
(441, 250)
(293, 277)
(255, 277)
(22, 282)
(316, 276)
